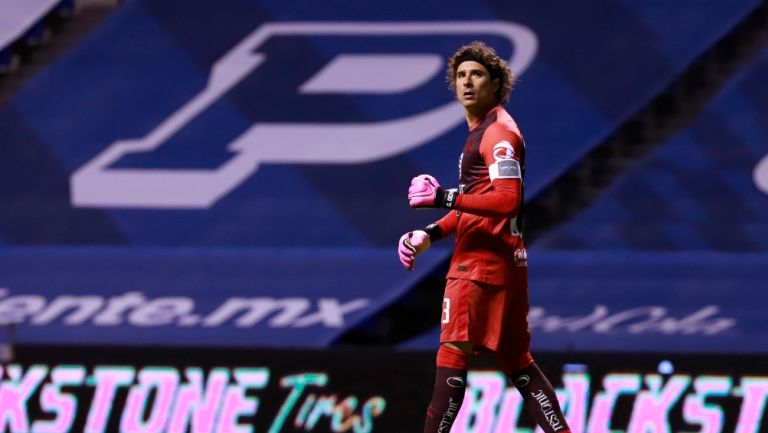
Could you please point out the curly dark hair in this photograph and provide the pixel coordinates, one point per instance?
(481, 53)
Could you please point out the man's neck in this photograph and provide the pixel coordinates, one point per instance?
(474, 116)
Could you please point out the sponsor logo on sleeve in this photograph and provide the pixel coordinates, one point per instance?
(505, 167)
(503, 150)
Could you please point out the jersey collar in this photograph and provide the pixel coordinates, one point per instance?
(480, 121)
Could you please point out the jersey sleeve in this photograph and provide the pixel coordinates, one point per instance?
(502, 150)
(448, 224)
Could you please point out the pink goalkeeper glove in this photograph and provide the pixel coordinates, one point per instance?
(412, 244)
(425, 191)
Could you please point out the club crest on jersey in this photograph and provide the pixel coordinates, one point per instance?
(521, 258)
(503, 150)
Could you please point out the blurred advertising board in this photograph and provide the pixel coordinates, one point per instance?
(135, 390)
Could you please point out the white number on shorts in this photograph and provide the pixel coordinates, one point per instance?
(446, 310)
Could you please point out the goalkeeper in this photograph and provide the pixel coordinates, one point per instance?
(485, 305)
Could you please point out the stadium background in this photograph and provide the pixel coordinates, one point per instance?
(201, 200)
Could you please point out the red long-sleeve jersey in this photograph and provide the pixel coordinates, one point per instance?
(487, 213)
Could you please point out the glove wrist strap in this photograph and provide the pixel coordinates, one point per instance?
(434, 232)
(449, 198)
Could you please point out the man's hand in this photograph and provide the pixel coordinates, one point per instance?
(425, 191)
(411, 245)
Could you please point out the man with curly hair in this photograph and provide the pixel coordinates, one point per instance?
(485, 306)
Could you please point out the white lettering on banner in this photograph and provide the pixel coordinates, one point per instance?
(640, 320)
(16, 309)
(257, 309)
(95, 184)
(362, 73)
(84, 306)
(134, 309)
(760, 175)
(161, 311)
(330, 313)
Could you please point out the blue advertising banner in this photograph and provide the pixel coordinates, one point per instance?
(579, 301)
(705, 189)
(211, 297)
(644, 302)
(181, 123)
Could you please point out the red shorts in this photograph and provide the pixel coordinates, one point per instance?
(488, 316)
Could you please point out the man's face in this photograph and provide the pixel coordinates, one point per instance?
(474, 87)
